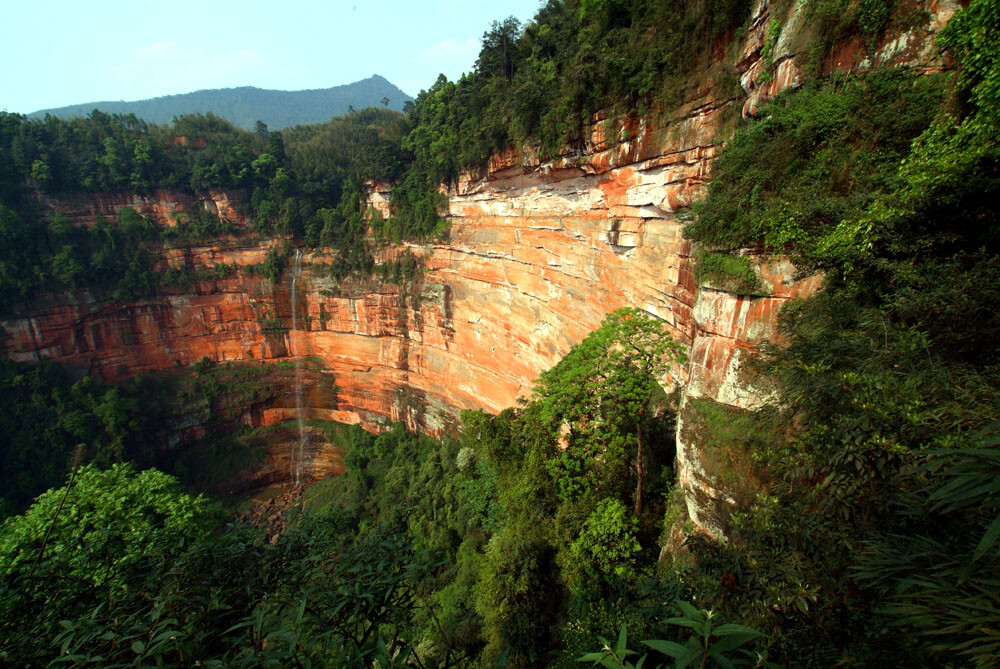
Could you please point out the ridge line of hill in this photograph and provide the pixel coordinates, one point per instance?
(245, 105)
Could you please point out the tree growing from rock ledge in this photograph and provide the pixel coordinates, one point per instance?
(598, 397)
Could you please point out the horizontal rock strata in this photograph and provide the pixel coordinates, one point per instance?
(538, 253)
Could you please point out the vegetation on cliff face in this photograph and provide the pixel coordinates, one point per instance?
(888, 379)
(816, 156)
(866, 535)
(540, 84)
(305, 182)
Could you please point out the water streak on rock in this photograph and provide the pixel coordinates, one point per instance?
(298, 448)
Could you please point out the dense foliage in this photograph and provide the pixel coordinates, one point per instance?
(540, 84)
(873, 537)
(815, 156)
(305, 183)
(50, 410)
(470, 546)
(44, 415)
(121, 568)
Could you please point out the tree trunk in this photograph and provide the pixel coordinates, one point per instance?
(638, 471)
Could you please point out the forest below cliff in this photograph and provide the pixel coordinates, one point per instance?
(864, 526)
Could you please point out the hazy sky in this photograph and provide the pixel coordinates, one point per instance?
(62, 52)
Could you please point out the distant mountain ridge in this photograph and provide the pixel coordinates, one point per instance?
(245, 105)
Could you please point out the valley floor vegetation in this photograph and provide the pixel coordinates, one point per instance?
(427, 552)
(867, 535)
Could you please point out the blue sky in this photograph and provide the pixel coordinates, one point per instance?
(74, 51)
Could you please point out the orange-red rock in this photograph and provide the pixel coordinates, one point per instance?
(538, 253)
(164, 208)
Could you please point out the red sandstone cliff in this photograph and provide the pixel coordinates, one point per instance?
(165, 208)
(538, 253)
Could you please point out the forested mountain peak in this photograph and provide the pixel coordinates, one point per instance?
(245, 105)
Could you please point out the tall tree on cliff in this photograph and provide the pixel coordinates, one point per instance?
(499, 55)
(600, 395)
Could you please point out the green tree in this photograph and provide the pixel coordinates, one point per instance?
(499, 54)
(599, 396)
(608, 540)
(65, 267)
(517, 594)
(80, 546)
(41, 174)
(142, 166)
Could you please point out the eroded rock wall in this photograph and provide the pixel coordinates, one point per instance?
(371, 337)
(165, 208)
(539, 251)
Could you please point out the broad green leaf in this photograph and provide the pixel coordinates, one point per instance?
(723, 661)
(732, 628)
(992, 532)
(729, 643)
(671, 648)
(621, 642)
(693, 624)
(590, 657)
(688, 657)
(690, 611)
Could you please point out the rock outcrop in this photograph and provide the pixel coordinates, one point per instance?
(538, 253)
(164, 208)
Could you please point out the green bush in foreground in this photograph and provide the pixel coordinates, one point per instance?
(122, 568)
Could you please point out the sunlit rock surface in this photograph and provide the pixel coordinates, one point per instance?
(538, 253)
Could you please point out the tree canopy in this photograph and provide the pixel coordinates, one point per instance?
(598, 396)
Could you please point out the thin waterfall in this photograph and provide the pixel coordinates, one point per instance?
(298, 450)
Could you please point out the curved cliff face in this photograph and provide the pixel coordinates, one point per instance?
(538, 253)
(165, 208)
(368, 336)
(535, 259)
